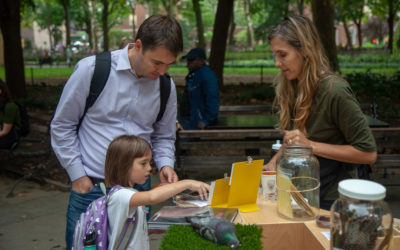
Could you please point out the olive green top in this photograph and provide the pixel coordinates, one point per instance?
(336, 118)
(10, 114)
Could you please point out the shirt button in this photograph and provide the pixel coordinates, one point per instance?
(134, 99)
(129, 116)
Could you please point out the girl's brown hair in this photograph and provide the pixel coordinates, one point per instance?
(121, 153)
(294, 97)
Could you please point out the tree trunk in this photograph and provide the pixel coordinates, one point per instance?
(67, 26)
(323, 16)
(250, 31)
(50, 37)
(94, 25)
(133, 10)
(300, 6)
(104, 22)
(10, 25)
(231, 31)
(390, 21)
(286, 11)
(88, 22)
(348, 36)
(359, 34)
(199, 24)
(220, 34)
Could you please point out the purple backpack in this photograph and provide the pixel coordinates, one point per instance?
(93, 223)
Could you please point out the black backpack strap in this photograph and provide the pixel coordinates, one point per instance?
(100, 76)
(165, 91)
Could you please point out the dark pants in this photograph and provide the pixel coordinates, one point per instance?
(9, 139)
(79, 202)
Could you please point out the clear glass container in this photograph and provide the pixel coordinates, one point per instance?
(360, 218)
(298, 183)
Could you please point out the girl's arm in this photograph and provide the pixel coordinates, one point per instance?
(166, 191)
(6, 129)
(271, 165)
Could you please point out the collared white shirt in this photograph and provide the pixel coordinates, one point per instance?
(127, 105)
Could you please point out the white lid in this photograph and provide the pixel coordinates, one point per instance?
(362, 189)
(277, 145)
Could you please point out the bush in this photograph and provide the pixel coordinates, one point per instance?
(257, 91)
(377, 88)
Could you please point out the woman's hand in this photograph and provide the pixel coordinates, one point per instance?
(295, 137)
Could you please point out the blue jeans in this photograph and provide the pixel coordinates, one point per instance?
(79, 202)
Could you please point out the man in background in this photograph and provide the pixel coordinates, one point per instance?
(199, 103)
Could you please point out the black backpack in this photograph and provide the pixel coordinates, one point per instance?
(100, 76)
(24, 130)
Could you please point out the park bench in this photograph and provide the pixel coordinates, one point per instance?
(193, 147)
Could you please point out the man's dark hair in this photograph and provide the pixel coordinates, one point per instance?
(159, 30)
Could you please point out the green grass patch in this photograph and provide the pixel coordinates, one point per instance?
(184, 237)
(66, 72)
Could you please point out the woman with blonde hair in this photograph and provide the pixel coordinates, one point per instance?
(318, 108)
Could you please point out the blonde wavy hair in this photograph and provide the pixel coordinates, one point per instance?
(294, 97)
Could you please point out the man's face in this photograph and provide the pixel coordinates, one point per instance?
(150, 63)
(194, 64)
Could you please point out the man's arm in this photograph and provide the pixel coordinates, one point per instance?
(70, 108)
(163, 140)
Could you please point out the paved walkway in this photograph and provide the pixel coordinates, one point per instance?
(34, 218)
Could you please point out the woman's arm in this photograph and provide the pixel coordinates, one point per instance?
(343, 153)
(166, 191)
(6, 129)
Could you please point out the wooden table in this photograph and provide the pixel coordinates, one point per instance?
(280, 233)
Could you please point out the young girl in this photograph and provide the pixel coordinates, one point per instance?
(128, 163)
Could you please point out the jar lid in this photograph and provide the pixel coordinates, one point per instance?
(277, 145)
(362, 189)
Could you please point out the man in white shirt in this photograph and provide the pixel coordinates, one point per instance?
(128, 104)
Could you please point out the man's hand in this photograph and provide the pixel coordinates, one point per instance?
(167, 175)
(179, 126)
(201, 125)
(82, 185)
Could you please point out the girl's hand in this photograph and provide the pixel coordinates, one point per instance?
(295, 137)
(201, 187)
(270, 166)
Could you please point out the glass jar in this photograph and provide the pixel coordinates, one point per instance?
(298, 183)
(360, 218)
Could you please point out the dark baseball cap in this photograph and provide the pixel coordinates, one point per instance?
(195, 53)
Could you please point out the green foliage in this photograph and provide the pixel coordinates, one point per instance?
(255, 91)
(35, 100)
(116, 36)
(372, 87)
(184, 237)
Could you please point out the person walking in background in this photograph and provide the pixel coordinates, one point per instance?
(128, 104)
(199, 104)
(128, 163)
(68, 52)
(318, 108)
(10, 119)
